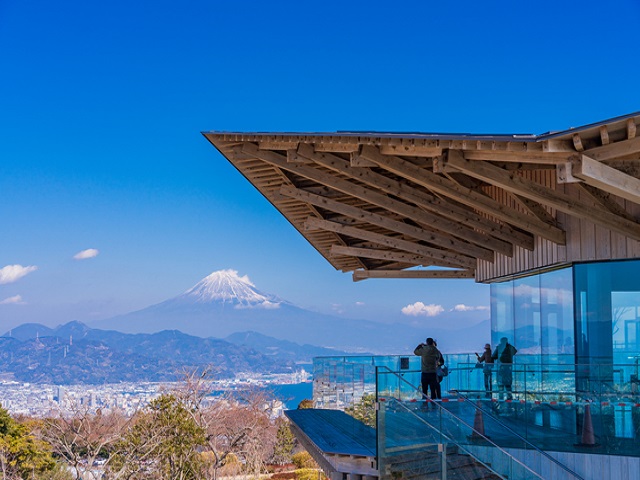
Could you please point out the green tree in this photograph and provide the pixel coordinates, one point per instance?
(304, 460)
(22, 455)
(304, 404)
(364, 410)
(162, 443)
(285, 441)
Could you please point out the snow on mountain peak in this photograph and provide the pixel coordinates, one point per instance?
(227, 286)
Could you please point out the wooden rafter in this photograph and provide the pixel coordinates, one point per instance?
(505, 235)
(439, 257)
(605, 178)
(359, 275)
(378, 254)
(376, 198)
(604, 200)
(534, 208)
(544, 195)
(613, 150)
(468, 197)
(430, 236)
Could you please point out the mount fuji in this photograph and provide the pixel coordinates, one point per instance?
(225, 303)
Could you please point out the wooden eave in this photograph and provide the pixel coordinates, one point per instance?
(385, 205)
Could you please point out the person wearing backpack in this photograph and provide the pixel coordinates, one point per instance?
(430, 357)
(503, 355)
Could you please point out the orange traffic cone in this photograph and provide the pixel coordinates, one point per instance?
(478, 425)
(588, 435)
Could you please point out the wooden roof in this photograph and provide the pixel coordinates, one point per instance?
(383, 205)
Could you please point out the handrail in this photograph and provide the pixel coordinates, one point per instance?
(502, 425)
(520, 437)
(452, 440)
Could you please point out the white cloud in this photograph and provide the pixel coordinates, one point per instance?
(338, 308)
(267, 305)
(420, 309)
(15, 300)
(11, 273)
(88, 253)
(461, 307)
(359, 304)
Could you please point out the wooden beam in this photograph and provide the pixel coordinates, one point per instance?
(439, 257)
(604, 135)
(631, 128)
(376, 198)
(463, 195)
(461, 216)
(613, 181)
(534, 208)
(577, 142)
(429, 236)
(545, 158)
(411, 150)
(378, 254)
(546, 196)
(613, 150)
(336, 147)
(359, 275)
(293, 157)
(604, 200)
(277, 145)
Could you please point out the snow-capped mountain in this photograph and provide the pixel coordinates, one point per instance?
(225, 303)
(227, 286)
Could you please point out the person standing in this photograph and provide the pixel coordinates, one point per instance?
(504, 354)
(430, 356)
(440, 371)
(487, 369)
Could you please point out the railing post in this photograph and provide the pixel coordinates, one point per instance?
(442, 449)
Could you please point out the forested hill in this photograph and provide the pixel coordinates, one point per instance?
(74, 353)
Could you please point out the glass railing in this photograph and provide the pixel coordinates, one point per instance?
(424, 440)
(458, 422)
(560, 407)
(566, 407)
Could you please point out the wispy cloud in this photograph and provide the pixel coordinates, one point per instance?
(338, 308)
(15, 300)
(359, 304)
(461, 307)
(85, 254)
(11, 273)
(420, 309)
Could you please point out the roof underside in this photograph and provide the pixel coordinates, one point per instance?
(388, 204)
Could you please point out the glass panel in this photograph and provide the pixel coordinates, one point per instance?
(526, 309)
(501, 311)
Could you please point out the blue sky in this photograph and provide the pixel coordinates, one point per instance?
(102, 105)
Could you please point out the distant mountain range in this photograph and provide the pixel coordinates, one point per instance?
(224, 304)
(75, 353)
(222, 323)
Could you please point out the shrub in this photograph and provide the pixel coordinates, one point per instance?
(303, 460)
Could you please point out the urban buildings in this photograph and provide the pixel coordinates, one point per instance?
(551, 221)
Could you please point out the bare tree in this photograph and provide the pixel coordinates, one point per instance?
(235, 426)
(83, 438)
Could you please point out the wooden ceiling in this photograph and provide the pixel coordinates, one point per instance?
(385, 205)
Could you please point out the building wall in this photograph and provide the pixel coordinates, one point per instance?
(585, 241)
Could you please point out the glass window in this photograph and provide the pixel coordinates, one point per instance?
(556, 316)
(501, 311)
(526, 309)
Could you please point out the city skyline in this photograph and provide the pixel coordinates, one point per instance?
(113, 201)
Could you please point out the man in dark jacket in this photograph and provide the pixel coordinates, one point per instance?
(428, 365)
(503, 354)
